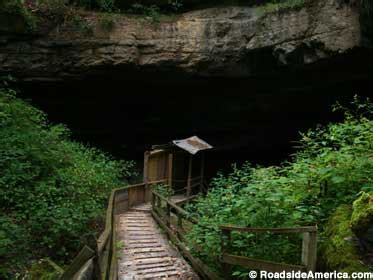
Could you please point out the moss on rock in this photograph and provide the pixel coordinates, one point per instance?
(45, 269)
(362, 214)
(338, 252)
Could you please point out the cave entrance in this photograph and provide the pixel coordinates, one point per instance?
(244, 119)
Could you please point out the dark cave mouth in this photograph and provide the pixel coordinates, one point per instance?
(244, 119)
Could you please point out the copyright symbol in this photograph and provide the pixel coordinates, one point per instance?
(253, 274)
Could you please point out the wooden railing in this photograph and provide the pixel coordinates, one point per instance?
(194, 183)
(171, 218)
(309, 249)
(100, 262)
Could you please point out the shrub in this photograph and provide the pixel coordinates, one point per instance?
(106, 5)
(152, 11)
(103, 5)
(332, 167)
(163, 190)
(53, 191)
(56, 9)
(107, 21)
(18, 8)
(280, 5)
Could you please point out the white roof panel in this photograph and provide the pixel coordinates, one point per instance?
(192, 144)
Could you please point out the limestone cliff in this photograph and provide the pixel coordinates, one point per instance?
(226, 41)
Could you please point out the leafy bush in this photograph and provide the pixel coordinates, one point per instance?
(280, 5)
(17, 8)
(151, 11)
(334, 164)
(106, 5)
(57, 9)
(163, 190)
(107, 21)
(80, 24)
(53, 191)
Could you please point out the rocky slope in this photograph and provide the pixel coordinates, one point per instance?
(227, 41)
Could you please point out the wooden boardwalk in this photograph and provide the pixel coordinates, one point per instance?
(146, 252)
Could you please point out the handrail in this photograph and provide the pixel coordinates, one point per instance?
(174, 232)
(272, 230)
(191, 186)
(172, 205)
(79, 261)
(309, 249)
(103, 257)
(185, 180)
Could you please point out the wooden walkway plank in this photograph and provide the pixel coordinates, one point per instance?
(147, 254)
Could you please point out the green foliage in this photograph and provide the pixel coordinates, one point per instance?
(44, 269)
(106, 5)
(156, 12)
(152, 11)
(53, 191)
(339, 251)
(13, 245)
(119, 246)
(81, 24)
(102, 5)
(280, 5)
(56, 9)
(107, 21)
(163, 190)
(18, 8)
(333, 166)
(176, 5)
(65, 11)
(61, 13)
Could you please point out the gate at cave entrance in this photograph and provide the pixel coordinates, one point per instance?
(181, 163)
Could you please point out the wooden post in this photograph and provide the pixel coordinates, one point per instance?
(146, 161)
(225, 243)
(130, 198)
(309, 250)
(168, 215)
(147, 192)
(170, 161)
(179, 226)
(153, 201)
(189, 176)
(84, 255)
(202, 171)
(99, 260)
(158, 202)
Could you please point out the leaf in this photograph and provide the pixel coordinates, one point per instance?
(338, 179)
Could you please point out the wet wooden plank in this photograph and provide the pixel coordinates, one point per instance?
(147, 253)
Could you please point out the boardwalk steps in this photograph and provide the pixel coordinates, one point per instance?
(146, 253)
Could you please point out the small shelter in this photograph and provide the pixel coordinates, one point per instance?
(180, 162)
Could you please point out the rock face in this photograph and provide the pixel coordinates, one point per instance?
(229, 41)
